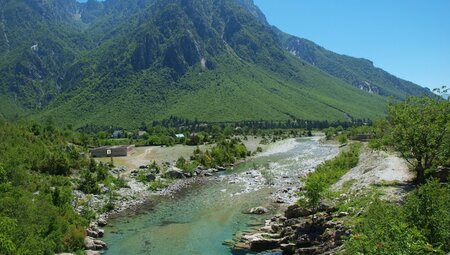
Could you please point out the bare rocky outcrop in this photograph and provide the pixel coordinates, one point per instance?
(299, 231)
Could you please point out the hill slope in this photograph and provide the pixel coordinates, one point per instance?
(124, 62)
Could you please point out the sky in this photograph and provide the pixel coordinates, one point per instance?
(408, 38)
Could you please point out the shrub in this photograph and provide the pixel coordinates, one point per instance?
(385, 231)
(428, 209)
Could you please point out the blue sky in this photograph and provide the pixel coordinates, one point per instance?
(408, 38)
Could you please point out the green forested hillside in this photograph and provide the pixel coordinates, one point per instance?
(36, 214)
(124, 62)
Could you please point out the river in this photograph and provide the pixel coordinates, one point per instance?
(198, 219)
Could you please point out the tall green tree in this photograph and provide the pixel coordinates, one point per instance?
(419, 128)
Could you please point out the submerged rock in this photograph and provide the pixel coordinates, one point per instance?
(259, 210)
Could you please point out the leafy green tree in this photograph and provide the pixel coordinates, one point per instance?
(419, 128)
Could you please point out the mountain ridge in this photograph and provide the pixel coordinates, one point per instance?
(148, 59)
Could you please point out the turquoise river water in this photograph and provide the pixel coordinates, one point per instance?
(198, 219)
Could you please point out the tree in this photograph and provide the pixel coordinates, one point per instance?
(419, 129)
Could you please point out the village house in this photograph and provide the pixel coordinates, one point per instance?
(112, 151)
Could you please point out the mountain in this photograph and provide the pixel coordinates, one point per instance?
(122, 62)
(358, 72)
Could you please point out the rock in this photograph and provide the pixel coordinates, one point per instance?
(143, 167)
(259, 245)
(90, 252)
(295, 211)
(101, 222)
(188, 175)
(101, 233)
(287, 248)
(89, 243)
(91, 233)
(221, 168)
(228, 243)
(174, 173)
(241, 246)
(206, 173)
(154, 171)
(307, 250)
(150, 177)
(258, 210)
(100, 245)
(327, 206)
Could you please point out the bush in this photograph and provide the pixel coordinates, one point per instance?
(428, 209)
(384, 231)
(420, 226)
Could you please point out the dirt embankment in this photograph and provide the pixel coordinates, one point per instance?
(378, 168)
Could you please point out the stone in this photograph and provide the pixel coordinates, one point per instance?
(150, 177)
(101, 222)
(91, 252)
(188, 175)
(221, 168)
(174, 173)
(295, 211)
(91, 233)
(89, 243)
(101, 233)
(259, 245)
(287, 248)
(258, 210)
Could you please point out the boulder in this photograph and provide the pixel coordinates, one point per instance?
(91, 233)
(94, 244)
(295, 211)
(150, 177)
(89, 243)
(90, 252)
(100, 244)
(258, 210)
(101, 222)
(174, 173)
(188, 175)
(221, 168)
(259, 245)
